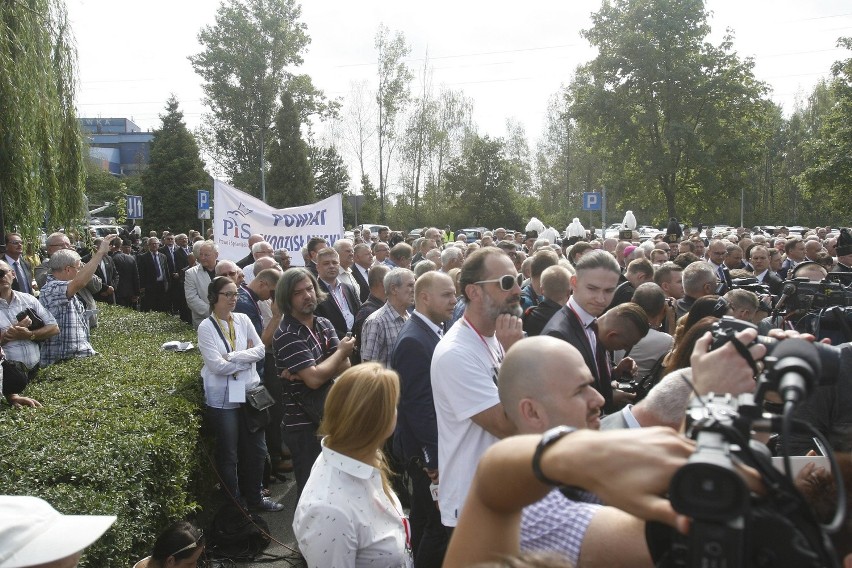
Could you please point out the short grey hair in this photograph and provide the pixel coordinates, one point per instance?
(62, 258)
(696, 276)
(340, 242)
(255, 248)
(450, 254)
(423, 267)
(394, 278)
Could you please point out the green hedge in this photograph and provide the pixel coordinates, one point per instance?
(118, 434)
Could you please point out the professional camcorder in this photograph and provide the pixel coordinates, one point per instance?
(732, 527)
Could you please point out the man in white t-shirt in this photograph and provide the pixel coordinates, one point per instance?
(464, 374)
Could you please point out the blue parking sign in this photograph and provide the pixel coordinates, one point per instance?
(591, 201)
(203, 199)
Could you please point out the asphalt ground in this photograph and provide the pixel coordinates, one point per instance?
(282, 551)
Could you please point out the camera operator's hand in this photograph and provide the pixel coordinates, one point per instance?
(781, 334)
(632, 468)
(724, 370)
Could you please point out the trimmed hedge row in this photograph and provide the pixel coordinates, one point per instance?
(119, 434)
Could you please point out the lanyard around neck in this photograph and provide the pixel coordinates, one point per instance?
(231, 342)
(497, 357)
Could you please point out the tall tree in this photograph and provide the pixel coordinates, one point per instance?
(828, 177)
(676, 118)
(41, 150)
(246, 63)
(392, 97)
(330, 173)
(174, 175)
(291, 179)
(481, 185)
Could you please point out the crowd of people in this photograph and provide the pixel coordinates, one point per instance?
(446, 377)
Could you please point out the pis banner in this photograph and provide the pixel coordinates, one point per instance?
(238, 215)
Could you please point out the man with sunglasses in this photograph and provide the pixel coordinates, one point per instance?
(464, 371)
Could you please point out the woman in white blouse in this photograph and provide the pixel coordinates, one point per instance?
(348, 514)
(230, 348)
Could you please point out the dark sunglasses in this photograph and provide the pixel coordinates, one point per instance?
(506, 282)
(4, 272)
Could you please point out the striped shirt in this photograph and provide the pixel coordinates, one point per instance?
(298, 347)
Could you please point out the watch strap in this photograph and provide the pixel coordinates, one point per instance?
(549, 438)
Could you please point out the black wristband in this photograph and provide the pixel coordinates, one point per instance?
(548, 438)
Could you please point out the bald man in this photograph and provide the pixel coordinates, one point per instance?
(416, 437)
(544, 384)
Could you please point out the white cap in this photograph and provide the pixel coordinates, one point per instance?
(32, 532)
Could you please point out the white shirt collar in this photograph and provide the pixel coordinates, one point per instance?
(346, 464)
(585, 317)
(436, 328)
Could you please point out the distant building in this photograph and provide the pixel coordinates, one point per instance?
(117, 145)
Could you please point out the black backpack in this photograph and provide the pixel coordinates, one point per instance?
(237, 534)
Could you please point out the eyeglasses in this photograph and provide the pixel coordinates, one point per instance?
(506, 282)
(4, 272)
(228, 294)
(14, 242)
(233, 273)
(190, 546)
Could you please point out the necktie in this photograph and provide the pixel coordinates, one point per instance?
(157, 267)
(22, 281)
(600, 357)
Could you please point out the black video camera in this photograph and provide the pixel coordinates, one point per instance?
(730, 526)
(750, 284)
(804, 295)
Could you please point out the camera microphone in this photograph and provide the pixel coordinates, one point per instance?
(788, 290)
(796, 369)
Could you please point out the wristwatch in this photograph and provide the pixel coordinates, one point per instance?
(32, 336)
(548, 438)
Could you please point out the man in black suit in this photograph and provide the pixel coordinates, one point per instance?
(15, 258)
(153, 278)
(594, 285)
(360, 269)
(416, 437)
(249, 258)
(556, 289)
(759, 259)
(342, 304)
(127, 288)
(182, 251)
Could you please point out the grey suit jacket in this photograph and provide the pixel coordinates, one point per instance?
(195, 290)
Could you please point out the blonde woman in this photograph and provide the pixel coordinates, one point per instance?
(347, 514)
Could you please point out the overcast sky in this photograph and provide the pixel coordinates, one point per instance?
(509, 57)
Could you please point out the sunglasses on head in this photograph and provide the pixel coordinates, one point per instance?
(506, 282)
(189, 546)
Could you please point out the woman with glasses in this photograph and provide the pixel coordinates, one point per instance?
(230, 348)
(348, 515)
(179, 546)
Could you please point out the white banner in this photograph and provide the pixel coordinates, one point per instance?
(237, 215)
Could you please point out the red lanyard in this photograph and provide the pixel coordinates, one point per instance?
(499, 355)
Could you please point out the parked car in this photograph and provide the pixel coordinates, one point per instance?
(374, 229)
(473, 234)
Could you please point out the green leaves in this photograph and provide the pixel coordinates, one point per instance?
(118, 434)
(41, 153)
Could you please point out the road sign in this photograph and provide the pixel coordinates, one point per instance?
(204, 213)
(203, 200)
(134, 207)
(591, 201)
